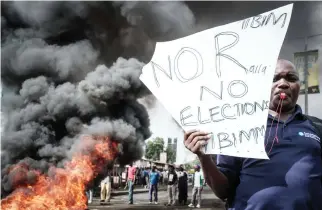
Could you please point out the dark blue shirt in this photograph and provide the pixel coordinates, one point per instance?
(289, 180)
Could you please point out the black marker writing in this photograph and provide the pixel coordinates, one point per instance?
(256, 21)
(239, 83)
(183, 118)
(235, 139)
(191, 116)
(198, 70)
(223, 113)
(199, 118)
(249, 108)
(168, 74)
(255, 69)
(223, 140)
(262, 20)
(212, 114)
(219, 51)
(261, 107)
(232, 87)
(217, 95)
(177, 71)
(226, 140)
(253, 132)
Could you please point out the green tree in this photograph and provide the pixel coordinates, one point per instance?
(171, 154)
(191, 165)
(154, 148)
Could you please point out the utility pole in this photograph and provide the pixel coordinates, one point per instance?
(306, 75)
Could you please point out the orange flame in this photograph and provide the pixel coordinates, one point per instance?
(65, 188)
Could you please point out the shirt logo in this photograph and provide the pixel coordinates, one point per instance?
(309, 135)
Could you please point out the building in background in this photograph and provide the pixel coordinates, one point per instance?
(173, 143)
(163, 157)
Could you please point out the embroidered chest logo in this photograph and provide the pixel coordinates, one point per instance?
(310, 135)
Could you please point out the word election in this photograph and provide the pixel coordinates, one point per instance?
(234, 139)
(219, 54)
(190, 116)
(263, 20)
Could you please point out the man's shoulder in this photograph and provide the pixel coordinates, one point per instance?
(316, 123)
(314, 119)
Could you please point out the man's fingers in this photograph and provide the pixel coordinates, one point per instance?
(195, 134)
(200, 138)
(187, 134)
(198, 145)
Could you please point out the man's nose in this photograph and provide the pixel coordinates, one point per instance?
(283, 84)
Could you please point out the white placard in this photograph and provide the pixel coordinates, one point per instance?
(219, 80)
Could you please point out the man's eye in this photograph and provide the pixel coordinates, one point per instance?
(292, 79)
(275, 79)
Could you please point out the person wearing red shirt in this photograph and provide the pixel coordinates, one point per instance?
(131, 180)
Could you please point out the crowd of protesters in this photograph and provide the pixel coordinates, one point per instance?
(175, 179)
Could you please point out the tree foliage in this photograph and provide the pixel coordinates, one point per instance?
(154, 148)
(189, 166)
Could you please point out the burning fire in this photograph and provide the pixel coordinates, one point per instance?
(64, 188)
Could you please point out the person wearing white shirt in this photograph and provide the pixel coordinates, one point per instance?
(198, 183)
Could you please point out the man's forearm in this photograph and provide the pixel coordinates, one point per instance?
(217, 181)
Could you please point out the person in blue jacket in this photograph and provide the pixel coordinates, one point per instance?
(154, 180)
(291, 178)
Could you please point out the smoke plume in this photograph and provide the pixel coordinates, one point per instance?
(72, 68)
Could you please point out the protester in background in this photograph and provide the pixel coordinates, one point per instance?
(182, 186)
(142, 177)
(124, 178)
(165, 176)
(172, 186)
(89, 192)
(198, 183)
(138, 176)
(89, 195)
(106, 188)
(131, 181)
(146, 176)
(154, 179)
(160, 175)
(291, 178)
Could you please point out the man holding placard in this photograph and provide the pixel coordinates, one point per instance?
(291, 178)
(217, 81)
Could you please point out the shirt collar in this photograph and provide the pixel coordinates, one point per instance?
(296, 113)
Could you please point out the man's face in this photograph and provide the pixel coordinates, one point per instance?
(286, 80)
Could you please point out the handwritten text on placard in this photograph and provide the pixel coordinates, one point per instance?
(219, 80)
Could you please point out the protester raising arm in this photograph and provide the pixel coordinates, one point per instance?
(218, 182)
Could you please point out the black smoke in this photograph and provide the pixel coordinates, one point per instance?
(72, 68)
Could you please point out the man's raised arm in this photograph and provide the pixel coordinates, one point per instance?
(218, 182)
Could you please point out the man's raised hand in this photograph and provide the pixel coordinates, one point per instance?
(194, 140)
